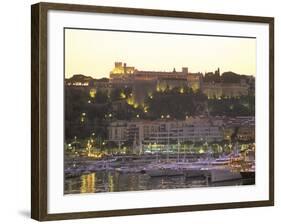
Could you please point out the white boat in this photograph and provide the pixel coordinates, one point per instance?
(158, 170)
(164, 172)
(124, 169)
(224, 160)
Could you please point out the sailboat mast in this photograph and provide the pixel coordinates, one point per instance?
(168, 146)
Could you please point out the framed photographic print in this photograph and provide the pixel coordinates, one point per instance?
(140, 111)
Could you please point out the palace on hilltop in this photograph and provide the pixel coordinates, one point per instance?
(146, 82)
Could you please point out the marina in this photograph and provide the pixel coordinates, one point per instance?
(112, 181)
(146, 172)
(139, 130)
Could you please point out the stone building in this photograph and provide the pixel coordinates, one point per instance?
(163, 131)
(212, 84)
(218, 90)
(145, 83)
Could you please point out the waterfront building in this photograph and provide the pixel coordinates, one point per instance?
(239, 121)
(206, 133)
(243, 126)
(246, 133)
(117, 131)
(186, 133)
(168, 135)
(164, 131)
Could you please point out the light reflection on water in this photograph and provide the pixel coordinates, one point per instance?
(115, 181)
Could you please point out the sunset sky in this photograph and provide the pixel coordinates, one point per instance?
(93, 53)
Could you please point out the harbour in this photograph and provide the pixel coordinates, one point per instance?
(147, 172)
(140, 130)
(113, 181)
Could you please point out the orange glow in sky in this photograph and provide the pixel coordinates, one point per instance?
(93, 52)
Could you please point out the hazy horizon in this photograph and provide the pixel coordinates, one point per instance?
(93, 52)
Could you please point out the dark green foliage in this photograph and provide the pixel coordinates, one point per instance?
(176, 105)
(242, 106)
(101, 97)
(81, 117)
(226, 77)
